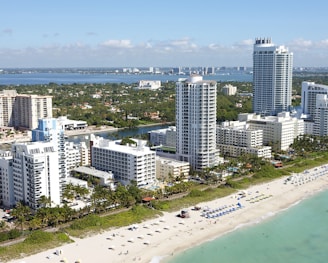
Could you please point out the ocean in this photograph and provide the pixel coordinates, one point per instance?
(297, 234)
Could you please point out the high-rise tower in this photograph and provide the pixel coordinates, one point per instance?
(196, 122)
(272, 78)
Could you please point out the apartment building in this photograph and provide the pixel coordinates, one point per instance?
(23, 111)
(169, 168)
(278, 131)
(272, 78)
(235, 138)
(36, 173)
(196, 122)
(134, 162)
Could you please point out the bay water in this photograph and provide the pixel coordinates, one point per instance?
(297, 234)
(70, 78)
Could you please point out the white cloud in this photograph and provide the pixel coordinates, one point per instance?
(161, 53)
(124, 43)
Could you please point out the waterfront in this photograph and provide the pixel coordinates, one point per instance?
(298, 234)
(71, 78)
(117, 134)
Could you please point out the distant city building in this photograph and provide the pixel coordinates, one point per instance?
(149, 84)
(279, 131)
(310, 90)
(177, 71)
(229, 90)
(272, 78)
(23, 111)
(127, 162)
(68, 124)
(196, 122)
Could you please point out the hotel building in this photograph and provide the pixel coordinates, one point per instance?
(135, 162)
(35, 173)
(272, 78)
(196, 122)
(278, 131)
(235, 138)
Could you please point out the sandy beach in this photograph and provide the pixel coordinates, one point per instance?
(167, 235)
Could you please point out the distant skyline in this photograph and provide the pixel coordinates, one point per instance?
(148, 33)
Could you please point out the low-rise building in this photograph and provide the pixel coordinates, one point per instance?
(278, 131)
(128, 163)
(235, 138)
(166, 168)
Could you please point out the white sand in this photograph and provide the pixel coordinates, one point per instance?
(170, 234)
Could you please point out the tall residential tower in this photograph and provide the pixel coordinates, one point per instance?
(272, 78)
(196, 122)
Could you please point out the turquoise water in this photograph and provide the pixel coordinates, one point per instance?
(298, 234)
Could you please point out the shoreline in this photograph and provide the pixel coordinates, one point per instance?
(95, 130)
(157, 240)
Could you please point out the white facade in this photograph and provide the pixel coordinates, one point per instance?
(229, 90)
(73, 156)
(36, 173)
(149, 84)
(278, 131)
(30, 108)
(68, 124)
(127, 162)
(196, 122)
(236, 151)
(166, 137)
(236, 138)
(7, 197)
(320, 127)
(310, 90)
(168, 167)
(272, 78)
(7, 102)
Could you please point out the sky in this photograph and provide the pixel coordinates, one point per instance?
(170, 33)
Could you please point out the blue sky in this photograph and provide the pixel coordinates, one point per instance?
(104, 33)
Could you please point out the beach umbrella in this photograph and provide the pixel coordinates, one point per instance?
(131, 240)
(147, 242)
(112, 247)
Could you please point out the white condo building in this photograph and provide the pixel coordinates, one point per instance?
(126, 162)
(272, 78)
(320, 126)
(310, 90)
(278, 131)
(7, 198)
(165, 137)
(196, 122)
(235, 138)
(23, 111)
(36, 173)
(229, 90)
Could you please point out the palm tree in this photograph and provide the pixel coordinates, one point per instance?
(21, 213)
